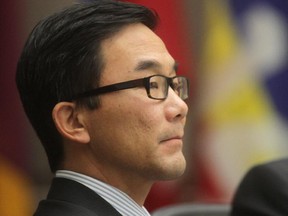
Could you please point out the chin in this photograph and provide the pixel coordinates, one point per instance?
(174, 169)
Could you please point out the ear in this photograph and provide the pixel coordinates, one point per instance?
(69, 123)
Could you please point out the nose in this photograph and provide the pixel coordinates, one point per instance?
(177, 108)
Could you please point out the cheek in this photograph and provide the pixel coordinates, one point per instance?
(147, 121)
(138, 130)
(138, 115)
(134, 123)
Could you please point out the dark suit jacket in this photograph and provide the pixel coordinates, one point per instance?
(70, 198)
(263, 191)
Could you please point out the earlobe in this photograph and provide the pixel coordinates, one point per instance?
(68, 122)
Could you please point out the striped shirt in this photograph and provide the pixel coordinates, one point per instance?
(118, 199)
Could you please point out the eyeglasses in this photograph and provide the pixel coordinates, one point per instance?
(156, 87)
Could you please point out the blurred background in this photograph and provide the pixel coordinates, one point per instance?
(235, 55)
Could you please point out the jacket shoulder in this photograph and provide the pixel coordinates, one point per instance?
(61, 208)
(69, 198)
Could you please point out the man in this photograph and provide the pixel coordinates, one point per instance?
(101, 91)
(263, 191)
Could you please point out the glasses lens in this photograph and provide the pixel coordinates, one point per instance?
(180, 86)
(158, 87)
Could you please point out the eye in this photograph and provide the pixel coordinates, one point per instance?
(176, 86)
(154, 85)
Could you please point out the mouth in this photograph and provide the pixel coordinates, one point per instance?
(172, 145)
(172, 138)
(176, 135)
(173, 142)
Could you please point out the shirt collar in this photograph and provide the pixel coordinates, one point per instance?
(117, 198)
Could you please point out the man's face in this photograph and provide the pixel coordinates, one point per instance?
(132, 135)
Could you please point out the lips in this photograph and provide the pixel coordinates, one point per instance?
(171, 145)
(173, 134)
(170, 138)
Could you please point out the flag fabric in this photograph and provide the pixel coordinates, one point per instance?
(242, 109)
(269, 21)
(16, 195)
(11, 121)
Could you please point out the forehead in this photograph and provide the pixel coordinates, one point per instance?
(130, 47)
(134, 34)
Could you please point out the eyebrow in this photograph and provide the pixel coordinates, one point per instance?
(153, 65)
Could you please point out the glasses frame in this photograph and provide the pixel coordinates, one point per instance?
(142, 82)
